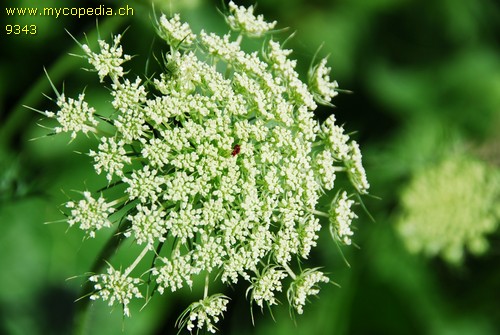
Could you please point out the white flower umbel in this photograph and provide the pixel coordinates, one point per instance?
(128, 95)
(341, 217)
(145, 185)
(308, 234)
(131, 125)
(216, 165)
(284, 68)
(110, 158)
(335, 139)
(174, 272)
(204, 313)
(326, 169)
(209, 254)
(242, 19)
(355, 169)
(116, 287)
(303, 286)
(323, 88)
(263, 287)
(108, 62)
(74, 116)
(148, 225)
(175, 32)
(90, 213)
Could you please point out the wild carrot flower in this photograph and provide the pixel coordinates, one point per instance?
(224, 168)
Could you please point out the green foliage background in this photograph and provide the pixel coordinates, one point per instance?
(425, 77)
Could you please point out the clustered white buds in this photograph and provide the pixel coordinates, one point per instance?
(204, 313)
(111, 157)
(263, 287)
(242, 19)
(73, 115)
(341, 217)
(108, 61)
(323, 88)
(92, 214)
(224, 168)
(175, 32)
(116, 287)
(305, 285)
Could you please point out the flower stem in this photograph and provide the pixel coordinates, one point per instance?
(290, 271)
(207, 280)
(239, 38)
(137, 260)
(320, 213)
(118, 201)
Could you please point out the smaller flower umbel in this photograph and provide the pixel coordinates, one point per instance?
(92, 214)
(341, 217)
(111, 157)
(115, 287)
(303, 286)
(204, 313)
(263, 287)
(108, 62)
(319, 80)
(242, 19)
(174, 32)
(74, 115)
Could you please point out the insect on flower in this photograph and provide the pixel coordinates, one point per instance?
(236, 150)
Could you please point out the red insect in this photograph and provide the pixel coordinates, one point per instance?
(236, 150)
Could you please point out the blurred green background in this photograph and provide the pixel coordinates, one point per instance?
(425, 77)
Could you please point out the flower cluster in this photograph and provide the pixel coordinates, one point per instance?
(242, 19)
(319, 81)
(115, 286)
(109, 60)
(304, 286)
(73, 116)
(341, 217)
(450, 207)
(175, 32)
(263, 287)
(92, 214)
(221, 172)
(204, 313)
